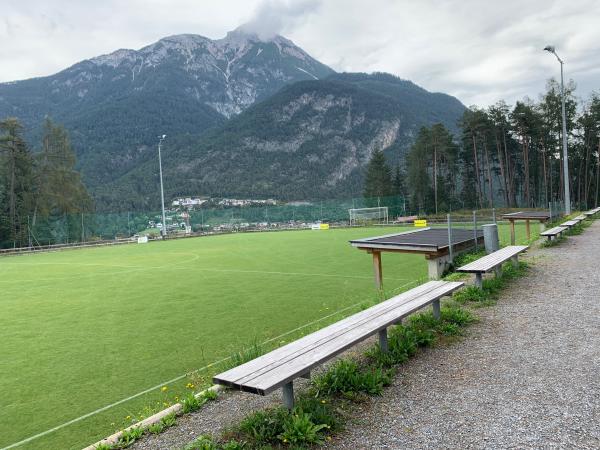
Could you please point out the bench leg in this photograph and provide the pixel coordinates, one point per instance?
(479, 280)
(288, 395)
(436, 309)
(383, 340)
(515, 261)
(498, 271)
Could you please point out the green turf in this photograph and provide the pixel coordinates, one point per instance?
(81, 329)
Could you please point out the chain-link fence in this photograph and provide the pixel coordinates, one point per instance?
(200, 216)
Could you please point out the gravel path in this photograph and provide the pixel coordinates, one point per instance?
(526, 376)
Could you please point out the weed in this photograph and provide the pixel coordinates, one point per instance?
(104, 447)
(551, 243)
(243, 356)
(203, 442)
(300, 429)
(210, 395)
(320, 410)
(346, 377)
(265, 426)
(156, 428)
(470, 294)
(468, 257)
(128, 437)
(169, 420)
(234, 445)
(192, 403)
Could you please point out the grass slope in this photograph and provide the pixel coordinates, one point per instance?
(85, 328)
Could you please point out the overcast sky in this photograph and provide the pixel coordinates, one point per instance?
(480, 51)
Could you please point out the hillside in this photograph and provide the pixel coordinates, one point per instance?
(115, 105)
(310, 140)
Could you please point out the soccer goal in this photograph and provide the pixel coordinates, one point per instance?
(368, 215)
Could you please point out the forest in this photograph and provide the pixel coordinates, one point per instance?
(503, 156)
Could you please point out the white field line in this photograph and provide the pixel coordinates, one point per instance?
(158, 386)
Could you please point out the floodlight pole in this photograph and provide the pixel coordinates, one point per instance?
(163, 230)
(552, 50)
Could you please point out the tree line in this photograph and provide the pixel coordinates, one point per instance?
(41, 190)
(502, 157)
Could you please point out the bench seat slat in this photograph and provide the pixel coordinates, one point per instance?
(491, 261)
(569, 223)
(275, 369)
(553, 231)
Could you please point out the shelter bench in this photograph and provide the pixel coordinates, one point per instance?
(493, 261)
(553, 232)
(279, 368)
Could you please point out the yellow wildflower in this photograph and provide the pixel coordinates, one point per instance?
(164, 388)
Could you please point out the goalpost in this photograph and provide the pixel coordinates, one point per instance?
(364, 215)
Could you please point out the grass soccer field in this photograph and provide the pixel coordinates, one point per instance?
(84, 329)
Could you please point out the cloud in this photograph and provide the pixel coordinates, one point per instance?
(478, 51)
(272, 17)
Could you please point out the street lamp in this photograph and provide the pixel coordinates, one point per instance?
(163, 230)
(551, 49)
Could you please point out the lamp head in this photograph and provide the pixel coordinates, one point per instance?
(550, 48)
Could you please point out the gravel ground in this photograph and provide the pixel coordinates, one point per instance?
(526, 376)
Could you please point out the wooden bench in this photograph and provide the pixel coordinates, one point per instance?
(580, 218)
(493, 261)
(570, 223)
(279, 368)
(553, 232)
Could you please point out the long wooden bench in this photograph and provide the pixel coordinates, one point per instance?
(279, 368)
(553, 232)
(570, 223)
(493, 261)
(579, 218)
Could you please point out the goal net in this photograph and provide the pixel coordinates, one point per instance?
(366, 215)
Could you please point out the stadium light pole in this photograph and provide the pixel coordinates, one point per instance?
(163, 230)
(551, 49)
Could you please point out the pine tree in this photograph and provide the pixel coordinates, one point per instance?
(62, 195)
(378, 180)
(16, 183)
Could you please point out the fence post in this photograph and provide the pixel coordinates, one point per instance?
(494, 214)
(450, 238)
(475, 230)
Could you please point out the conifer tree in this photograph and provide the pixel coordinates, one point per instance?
(378, 180)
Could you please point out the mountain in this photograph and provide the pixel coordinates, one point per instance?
(310, 140)
(115, 105)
